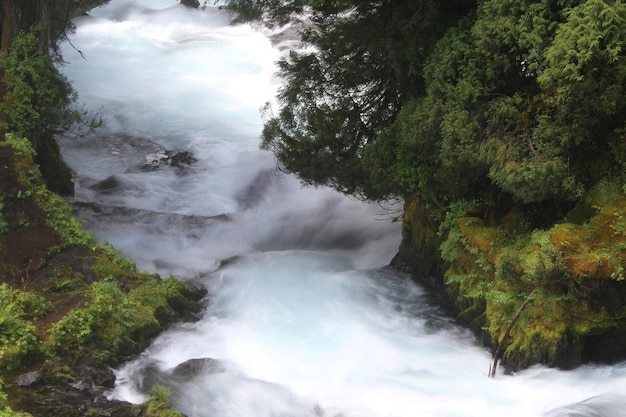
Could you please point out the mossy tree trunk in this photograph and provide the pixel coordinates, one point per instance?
(21, 15)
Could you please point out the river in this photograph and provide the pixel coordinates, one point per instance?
(303, 318)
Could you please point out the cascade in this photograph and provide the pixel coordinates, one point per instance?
(303, 317)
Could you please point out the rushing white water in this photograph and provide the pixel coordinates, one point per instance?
(303, 317)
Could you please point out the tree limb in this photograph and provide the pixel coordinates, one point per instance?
(496, 355)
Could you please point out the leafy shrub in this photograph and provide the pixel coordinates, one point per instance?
(161, 393)
(108, 319)
(112, 264)
(31, 305)
(59, 216)
(18, 337)
(37, 95)
(159, 404)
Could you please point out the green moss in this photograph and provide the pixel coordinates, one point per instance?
(119, 308)
(110, 263)
(597, 249)
(107, 319)
(157, 408)
(576, 269)
(420, 239)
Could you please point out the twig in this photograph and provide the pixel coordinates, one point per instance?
(496, 355)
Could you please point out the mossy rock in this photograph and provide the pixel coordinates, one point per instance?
(57, 175)
(419, 251)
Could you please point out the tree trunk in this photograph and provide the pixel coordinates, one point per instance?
(21, 15)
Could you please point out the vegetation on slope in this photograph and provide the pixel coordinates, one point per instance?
(63, 297)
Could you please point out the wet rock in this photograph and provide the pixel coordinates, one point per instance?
(194, 4)
(182, 158)
(29, 379)
(57, 174)
(70, 390)
(195, 367)
(150, 373)
(95, 374)
(163, 157)
(109, 185)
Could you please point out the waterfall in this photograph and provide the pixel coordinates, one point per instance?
(303, 317)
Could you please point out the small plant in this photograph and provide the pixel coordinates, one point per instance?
(59, 216)
(4, 226)
(159, 404)
(161, 393)
(111, 315)
(18, 337)
(31, 305)
(61, 284)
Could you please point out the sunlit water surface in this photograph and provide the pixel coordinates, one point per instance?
(303, 319)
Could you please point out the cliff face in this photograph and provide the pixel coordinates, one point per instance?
(573, 274)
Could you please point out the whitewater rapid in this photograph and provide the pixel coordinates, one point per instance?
(303, 317)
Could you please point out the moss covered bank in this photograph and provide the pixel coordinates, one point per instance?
(573, 274)
(69, 307)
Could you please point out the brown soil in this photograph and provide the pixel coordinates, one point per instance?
(24, 248)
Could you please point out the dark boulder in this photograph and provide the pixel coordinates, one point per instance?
(190, 3)
(58, 176)
(69, 390)
(157, 159)
(195, 367)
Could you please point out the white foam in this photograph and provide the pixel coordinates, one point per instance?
(301, 324)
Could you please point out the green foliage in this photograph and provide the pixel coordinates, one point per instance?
(590, 39)
(161, 393)
(545, 263)
(505, 110)
(456, 211)
(18, 338)
(158, 408)
(37, 96)
(500, 101)
(59, 216)
(348, 84)
(4, 226)
(107, 319)
(5, 410)
(159, 403)
(113, 264)
(155, 291)
(23, 153)
(57, 211)
(30, 305)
